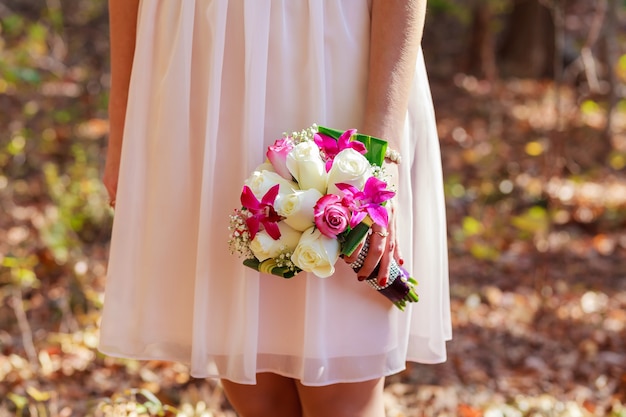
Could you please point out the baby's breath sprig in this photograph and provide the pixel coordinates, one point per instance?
(303, 135)
(239, 241)
(378, 172)
(382, 174)
(283, 260)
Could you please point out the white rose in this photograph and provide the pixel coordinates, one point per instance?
(350, 167)
(265, 166)
(307, 167)
(261, 181)
(263, 246)
(316, 253)
(297, 208)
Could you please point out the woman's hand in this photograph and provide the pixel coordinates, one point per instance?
(123, 28)
(383, 244)
(117, 110)
(111, 174)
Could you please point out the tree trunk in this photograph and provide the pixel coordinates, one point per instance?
(480, 58)
(527, 48)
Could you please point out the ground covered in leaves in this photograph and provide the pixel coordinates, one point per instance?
(536, 197)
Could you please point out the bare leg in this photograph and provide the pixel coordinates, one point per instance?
(272, 396)
(360, 399)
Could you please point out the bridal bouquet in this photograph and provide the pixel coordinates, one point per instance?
(313, 200)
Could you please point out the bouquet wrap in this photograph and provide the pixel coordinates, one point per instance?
(399, 286)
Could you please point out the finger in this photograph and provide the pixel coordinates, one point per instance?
(377, 245)
(390, 247)
(397, 253)
(386, 258)
(112, 196)
(350, 259)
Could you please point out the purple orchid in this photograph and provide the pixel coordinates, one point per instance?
(369, 201)
(262, 212)
(331, 147)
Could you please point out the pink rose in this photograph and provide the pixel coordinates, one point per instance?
(277, 154)
(331, 217)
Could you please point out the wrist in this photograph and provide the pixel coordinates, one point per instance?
(392, 156)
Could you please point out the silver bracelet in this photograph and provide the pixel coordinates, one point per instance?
(394, 269)
(361, 257)
(394, 272)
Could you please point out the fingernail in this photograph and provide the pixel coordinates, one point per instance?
(361, 278)
(382, 281)
(400, 261)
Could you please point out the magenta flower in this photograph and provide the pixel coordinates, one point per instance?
(331, 217)
(331, 147)
(262, 212)
(277, 154)
(369, 201)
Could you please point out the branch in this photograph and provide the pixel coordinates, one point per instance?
(22, 321)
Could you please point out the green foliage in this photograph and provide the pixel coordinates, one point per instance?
(133, 402)
(20, 64)
(33, 400)
(21, 271)
(443, 6)
(534, 221)
(53, 205)
(462, 10)
(12, 25)
(472, 227)
(502, 201)
(589, 107)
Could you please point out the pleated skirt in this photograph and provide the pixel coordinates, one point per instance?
(214, 83)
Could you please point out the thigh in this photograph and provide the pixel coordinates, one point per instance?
(272, 396)
(359, 399)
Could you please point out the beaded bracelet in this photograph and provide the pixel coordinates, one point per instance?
(358, 263)
(394, 269)
(393, 156)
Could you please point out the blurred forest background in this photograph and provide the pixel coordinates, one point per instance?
(531, 104)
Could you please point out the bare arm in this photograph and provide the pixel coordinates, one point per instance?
(396, 33)
(123, 29)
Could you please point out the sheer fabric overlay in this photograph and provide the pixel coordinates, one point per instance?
(214, 83)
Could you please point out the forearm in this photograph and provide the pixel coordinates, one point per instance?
(123, 29)
(396, 33)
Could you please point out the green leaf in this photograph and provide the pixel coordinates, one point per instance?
(252, 263)
(12, 24)
(28, 75)
(279, 271)
(589, 107)
(376, 147)
(354, 237)
(19, 401)
(472, 226)
(37, 395)
(283, 272)
(621, 63)
(535, 220)
(484, 251)
(150, 397)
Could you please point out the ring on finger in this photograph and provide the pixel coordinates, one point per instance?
(382, 234)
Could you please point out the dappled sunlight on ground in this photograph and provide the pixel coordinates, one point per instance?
(536, 200)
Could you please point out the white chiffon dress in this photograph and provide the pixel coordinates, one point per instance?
(214, 83)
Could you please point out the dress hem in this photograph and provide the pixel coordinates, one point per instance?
(121, 355)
